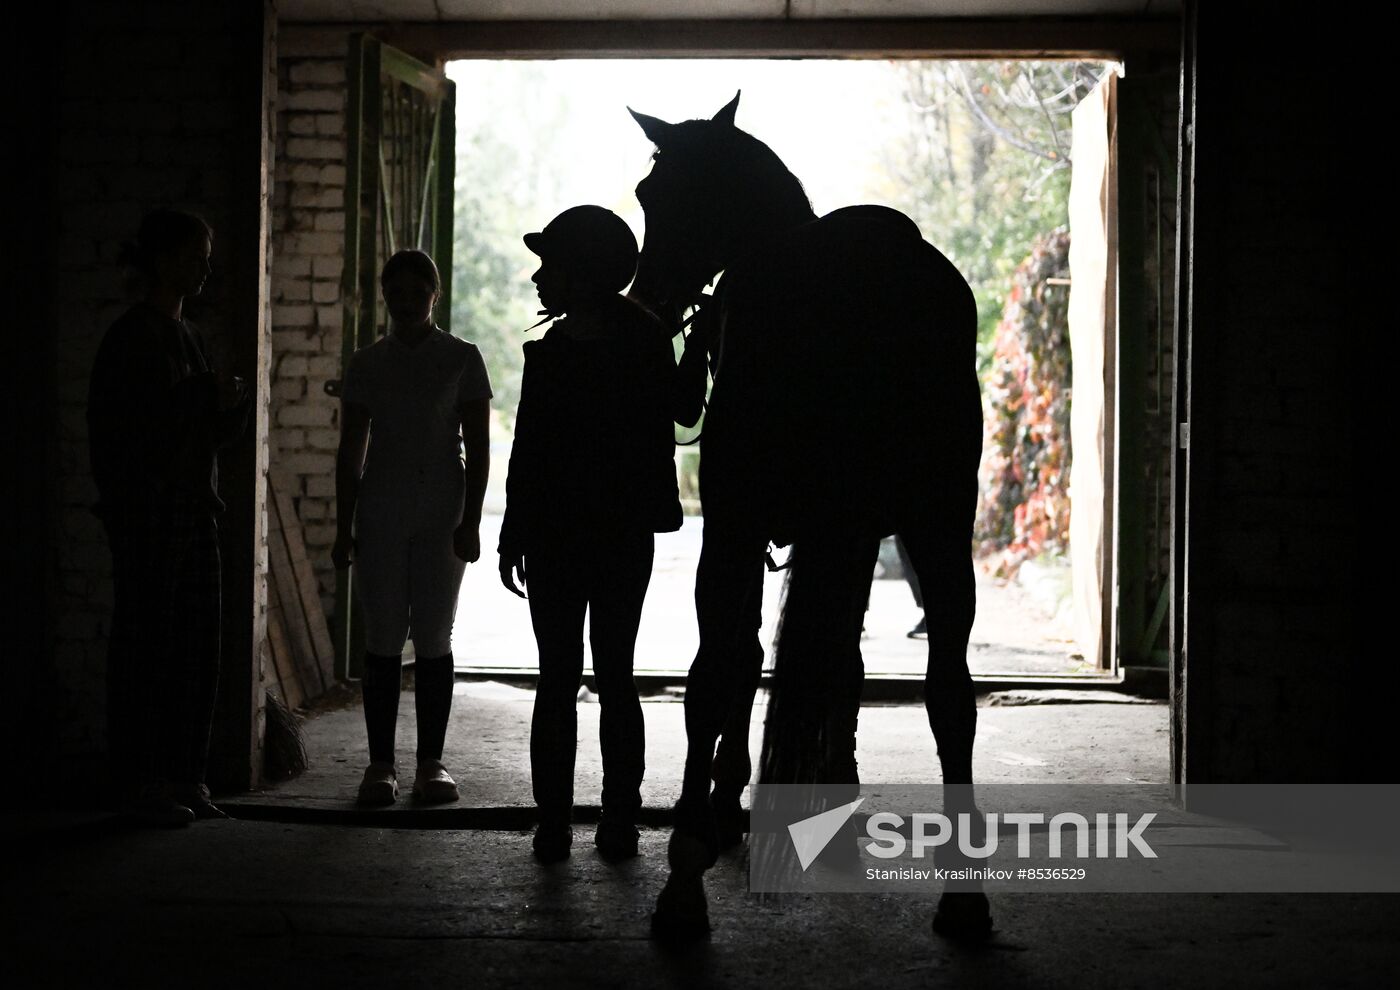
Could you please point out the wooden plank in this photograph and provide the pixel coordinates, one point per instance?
(283, 662)
(292, 616)
(308, 589)
(320, 629)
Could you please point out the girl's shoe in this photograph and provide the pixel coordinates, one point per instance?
(380, 786)
(196, 798)
(433, 784)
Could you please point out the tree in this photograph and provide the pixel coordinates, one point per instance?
(501, 177)
(987, 173)
(986, 168)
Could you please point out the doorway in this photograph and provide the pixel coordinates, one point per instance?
(482, 605)
(979, 153)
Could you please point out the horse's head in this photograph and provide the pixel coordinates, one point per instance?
(712, 193)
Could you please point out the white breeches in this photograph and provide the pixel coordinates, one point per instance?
(406, 575)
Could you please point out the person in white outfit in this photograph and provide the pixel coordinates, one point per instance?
(410, 478)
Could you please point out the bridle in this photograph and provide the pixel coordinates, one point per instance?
(702, 301)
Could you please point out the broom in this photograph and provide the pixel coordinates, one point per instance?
(284, 744)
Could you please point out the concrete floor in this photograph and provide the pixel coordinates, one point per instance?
(302, 891)
(1113, 741)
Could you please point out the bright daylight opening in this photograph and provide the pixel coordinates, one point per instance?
(977, 153)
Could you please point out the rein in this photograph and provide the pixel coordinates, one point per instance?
(704, 402)
(769, 561)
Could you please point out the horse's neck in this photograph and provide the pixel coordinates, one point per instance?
(755, 238)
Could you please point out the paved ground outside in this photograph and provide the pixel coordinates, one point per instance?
(1012, 634)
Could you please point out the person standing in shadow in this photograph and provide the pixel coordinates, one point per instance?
(157, 415)
(911, 577)
(592, 478)
(408, 514)
(906, 566)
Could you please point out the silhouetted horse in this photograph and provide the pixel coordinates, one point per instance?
(845, 407)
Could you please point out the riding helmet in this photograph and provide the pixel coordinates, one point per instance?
(591, 242)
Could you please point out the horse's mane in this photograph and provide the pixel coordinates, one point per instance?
(740, 174)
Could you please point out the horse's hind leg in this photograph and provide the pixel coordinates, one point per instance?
(942, 559)
(941, 551)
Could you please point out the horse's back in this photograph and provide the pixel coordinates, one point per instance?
(857, 300)
(853, 345)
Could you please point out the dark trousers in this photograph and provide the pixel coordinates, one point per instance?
(605, 575)
(163, 652)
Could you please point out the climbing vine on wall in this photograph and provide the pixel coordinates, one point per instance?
(1024, 506)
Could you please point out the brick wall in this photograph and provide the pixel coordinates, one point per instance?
(308, 247)
(152, 109)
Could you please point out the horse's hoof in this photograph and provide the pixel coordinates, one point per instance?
(963, 916)
(682, 914)
(731, 821)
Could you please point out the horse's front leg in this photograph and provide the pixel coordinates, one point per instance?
(733, 765)
(728, 603)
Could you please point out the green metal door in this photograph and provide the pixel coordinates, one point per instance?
(401, 130)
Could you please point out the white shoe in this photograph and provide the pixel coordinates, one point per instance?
(434, 785)
(380, 785)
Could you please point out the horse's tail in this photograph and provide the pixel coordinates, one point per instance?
(814, 698)
(785, 756)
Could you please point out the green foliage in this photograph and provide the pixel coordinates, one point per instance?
(499, 184)
(486, 297)
(986, 168)
(986, 174)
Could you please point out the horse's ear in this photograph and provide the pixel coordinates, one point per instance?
(653, 127)
(726, 113)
